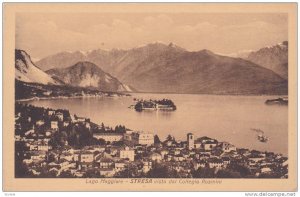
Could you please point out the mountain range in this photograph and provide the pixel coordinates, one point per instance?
(158, 67)
(274, 58)
(82, 74)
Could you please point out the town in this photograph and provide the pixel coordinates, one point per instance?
(53, 143)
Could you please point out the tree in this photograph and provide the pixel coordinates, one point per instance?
(270, 175)
(205, 172)
(51, 158)
(102, 128)
(156, 140)
(126, 173)
(242, 170)
(66, 174)
(92, 173)
(162, 171)
(101, 142)
(138, 106)
(130, 172)
(118, 143)
(21, 170)
(158, 172)
(45, 173)
(169, 138)
(228, 174)
(120, 129)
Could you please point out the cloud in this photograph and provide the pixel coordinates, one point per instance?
(47, 36)
(44, 37)
(158, 21)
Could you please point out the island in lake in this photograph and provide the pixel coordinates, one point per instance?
(278, 101)
(164, 104)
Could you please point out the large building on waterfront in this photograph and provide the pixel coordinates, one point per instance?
(143, 138)
(130, 137)
(109, 137)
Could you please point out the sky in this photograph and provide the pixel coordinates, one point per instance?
(44, 34)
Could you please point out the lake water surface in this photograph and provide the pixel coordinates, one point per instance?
(226, 118)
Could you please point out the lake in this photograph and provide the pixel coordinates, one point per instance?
(226, 118)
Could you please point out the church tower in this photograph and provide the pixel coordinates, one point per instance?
(190, 141)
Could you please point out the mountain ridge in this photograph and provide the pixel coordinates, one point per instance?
(201, 72)
(164, 68)
(87, 74)
(273, 57)
(27, 71)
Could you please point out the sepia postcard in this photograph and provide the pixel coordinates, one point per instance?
(150, 97)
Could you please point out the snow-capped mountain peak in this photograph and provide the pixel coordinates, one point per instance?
(28, 72)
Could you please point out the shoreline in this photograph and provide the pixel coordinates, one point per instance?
(211, 94)
(66, 97)
(73, 97)
(131, 94)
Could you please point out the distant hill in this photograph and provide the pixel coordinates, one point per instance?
(27, 71)
(87, 74)
(164, 68)
(274, 58)
(61, 60)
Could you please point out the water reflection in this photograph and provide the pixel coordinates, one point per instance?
(159, 115)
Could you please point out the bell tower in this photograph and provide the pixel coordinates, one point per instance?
(190, 141)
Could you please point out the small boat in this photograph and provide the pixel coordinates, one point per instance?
(261, 136)
(278, 101)
(131, 107)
